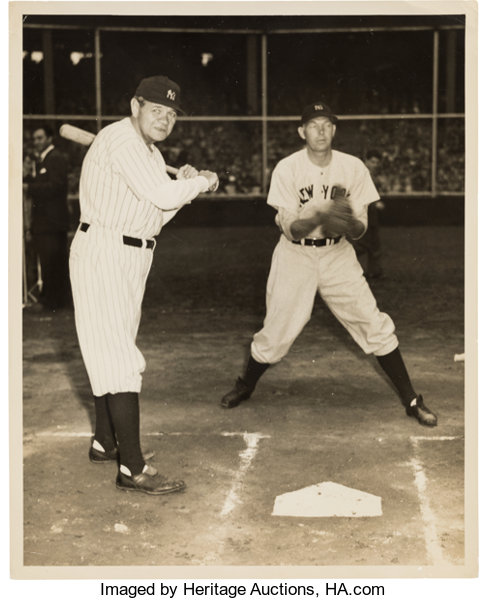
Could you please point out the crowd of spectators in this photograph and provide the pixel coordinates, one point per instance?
(234, 150)
(450, 174)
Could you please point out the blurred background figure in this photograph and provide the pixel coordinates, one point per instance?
(30, 270)
(46, 186)
(368, 247)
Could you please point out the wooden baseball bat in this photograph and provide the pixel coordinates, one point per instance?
(85, 138)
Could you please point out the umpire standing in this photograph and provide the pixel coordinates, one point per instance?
(47, 187)
(126, 197)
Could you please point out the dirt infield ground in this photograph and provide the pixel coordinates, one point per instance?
(324, 414)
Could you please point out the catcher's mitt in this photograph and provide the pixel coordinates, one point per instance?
(336, 220)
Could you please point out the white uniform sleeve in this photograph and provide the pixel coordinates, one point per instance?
(152, 183)
(281, 194)
(284, 219)
(363, 191)
(169, 214)
(363, 218)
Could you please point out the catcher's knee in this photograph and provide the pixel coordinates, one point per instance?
(269, 355)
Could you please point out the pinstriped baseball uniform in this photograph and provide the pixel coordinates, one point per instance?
(298, 188)
(126, 197)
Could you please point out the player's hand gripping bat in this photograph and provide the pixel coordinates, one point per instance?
(85, 138)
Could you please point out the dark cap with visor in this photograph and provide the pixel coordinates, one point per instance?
(317, 109)
(161, 90)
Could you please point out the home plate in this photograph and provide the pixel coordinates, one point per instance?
(327, 499)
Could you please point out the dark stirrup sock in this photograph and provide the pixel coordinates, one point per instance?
(254, 372)
(394, 367)
(124, 411)
(103, 425)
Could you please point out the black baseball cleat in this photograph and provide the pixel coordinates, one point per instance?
(420, 411)
(240, 392)
(145, 482)
(98, 454)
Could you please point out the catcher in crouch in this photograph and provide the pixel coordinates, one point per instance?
(321, 196)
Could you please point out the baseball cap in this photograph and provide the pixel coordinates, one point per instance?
(161, 90)
(317, 109)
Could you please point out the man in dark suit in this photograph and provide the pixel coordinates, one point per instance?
(47, 187)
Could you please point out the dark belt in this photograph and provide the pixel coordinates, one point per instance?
(329, 241)
(127, 240)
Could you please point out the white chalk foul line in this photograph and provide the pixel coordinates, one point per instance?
(50, 433)
(433, 545)
(429, 438)
(83, 434)
(246, 457)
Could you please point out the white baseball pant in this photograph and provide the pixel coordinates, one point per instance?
(297, 273)
(108, 280)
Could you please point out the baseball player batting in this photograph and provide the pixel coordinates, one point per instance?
(321, 196)
(126, 197)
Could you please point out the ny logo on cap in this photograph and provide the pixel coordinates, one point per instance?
(319, 107)
(171, 95)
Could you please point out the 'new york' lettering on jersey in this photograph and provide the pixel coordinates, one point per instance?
(300, 187)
